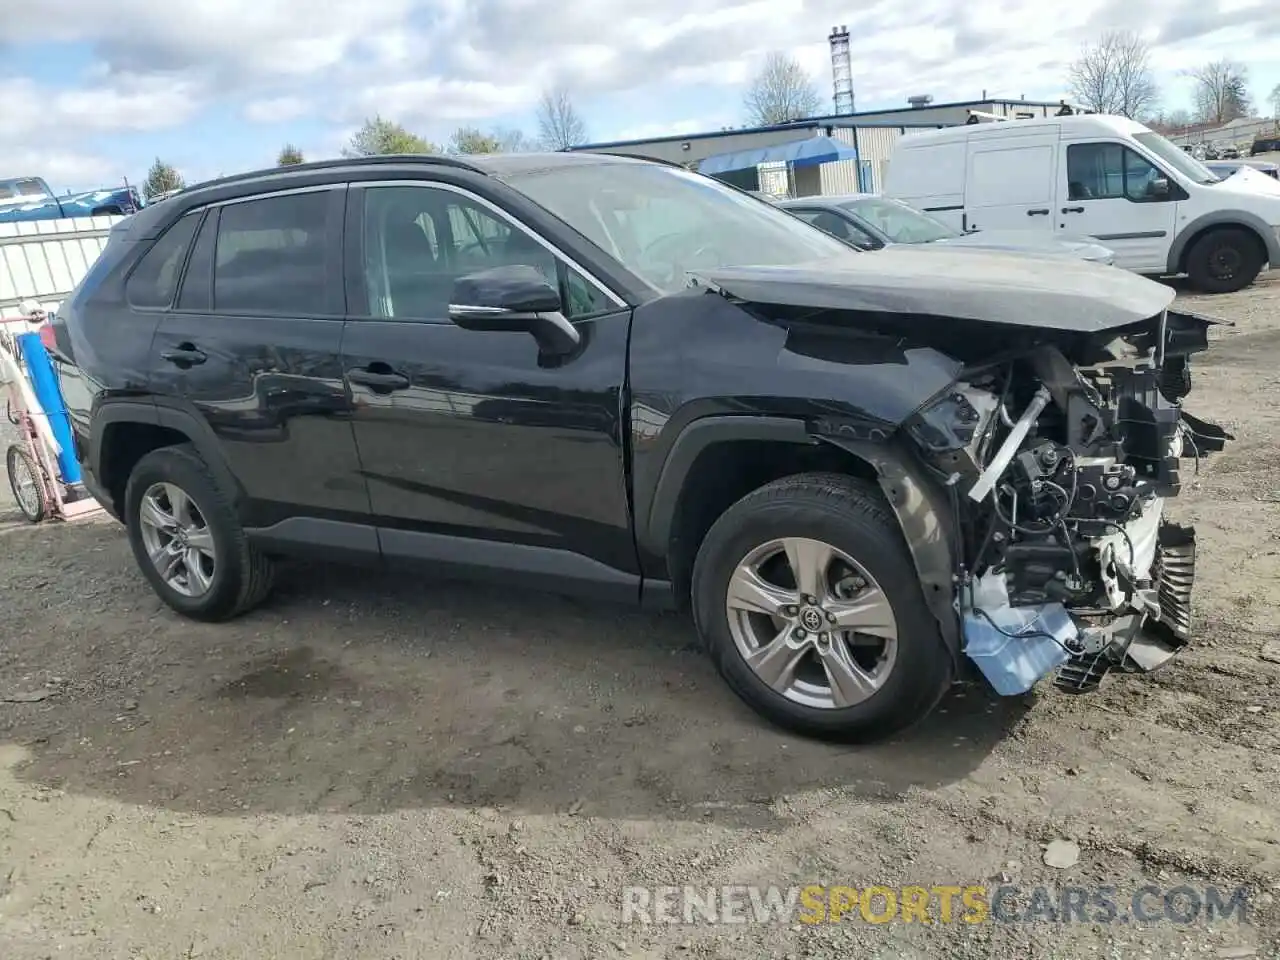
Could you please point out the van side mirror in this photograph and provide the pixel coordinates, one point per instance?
(1158, 189)
(514, 297)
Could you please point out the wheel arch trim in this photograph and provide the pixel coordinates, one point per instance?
(153, 414)
(1239, 219)
(924, 517)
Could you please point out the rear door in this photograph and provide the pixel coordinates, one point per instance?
(1107, 190)
(253, 349)
(1011, 178)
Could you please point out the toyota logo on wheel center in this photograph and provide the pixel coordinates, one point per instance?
(811, 619)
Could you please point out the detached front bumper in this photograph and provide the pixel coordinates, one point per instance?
(1148, 636)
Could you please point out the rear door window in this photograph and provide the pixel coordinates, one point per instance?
(271, 256)
(154, 280)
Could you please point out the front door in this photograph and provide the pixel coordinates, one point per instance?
(1110, 192)
(252, 348)
(482, 454)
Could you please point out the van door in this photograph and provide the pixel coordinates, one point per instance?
(1010, 184)
(1114, 194)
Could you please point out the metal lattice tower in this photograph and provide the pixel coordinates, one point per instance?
(841, 70)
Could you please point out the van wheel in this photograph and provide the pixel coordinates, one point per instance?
(1224, 261)
(809, 604)
(188, 540)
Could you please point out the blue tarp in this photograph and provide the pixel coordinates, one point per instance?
(799, 153)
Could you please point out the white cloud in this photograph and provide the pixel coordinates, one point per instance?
(436, 64)
(276, 109)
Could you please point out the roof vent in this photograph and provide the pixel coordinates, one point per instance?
(920, 100)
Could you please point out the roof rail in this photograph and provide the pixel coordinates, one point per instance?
(977, 116)
(313, 165)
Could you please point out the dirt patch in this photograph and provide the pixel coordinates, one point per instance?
(380, 767)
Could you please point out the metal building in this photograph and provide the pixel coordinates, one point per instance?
(760, 158)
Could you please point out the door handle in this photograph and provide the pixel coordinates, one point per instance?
(184, 355)
(379, 381)
(1038, 213)
(1073, 209)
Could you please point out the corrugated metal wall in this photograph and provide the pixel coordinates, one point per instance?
(841, 176)
(43, 260)
(875, 147)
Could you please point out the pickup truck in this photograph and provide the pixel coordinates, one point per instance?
(30, 198)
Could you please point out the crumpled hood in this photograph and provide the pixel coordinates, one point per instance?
(1052, 293)
(1032, 241)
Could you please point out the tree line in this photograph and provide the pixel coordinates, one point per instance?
(1111, 75)
(559, 126)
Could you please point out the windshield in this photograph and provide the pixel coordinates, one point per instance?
(12, 189)
(662, 222)
(899, 222)
(1180, 160)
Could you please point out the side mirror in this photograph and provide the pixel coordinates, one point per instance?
(515, 297)
(1158, 188)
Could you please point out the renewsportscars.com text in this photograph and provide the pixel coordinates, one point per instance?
(972, 904)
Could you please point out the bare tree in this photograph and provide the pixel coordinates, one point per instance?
(1273, 98)
(1221, 91)
(1114, 76)
(560, 126)
(782, 91)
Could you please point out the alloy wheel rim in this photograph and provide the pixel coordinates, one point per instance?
(177, 539)
(812, 623)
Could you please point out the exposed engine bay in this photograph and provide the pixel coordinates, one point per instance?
(1058, 475)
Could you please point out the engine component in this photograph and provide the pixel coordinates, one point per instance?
(1000, 462)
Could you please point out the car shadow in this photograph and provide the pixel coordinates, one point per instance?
(359, 692)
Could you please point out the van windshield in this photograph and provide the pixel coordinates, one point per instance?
(1180, 160)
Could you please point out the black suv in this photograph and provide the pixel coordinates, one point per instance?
(613, 377)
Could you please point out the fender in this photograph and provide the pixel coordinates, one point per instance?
(1224, 218)
(925, 516)
(156, 413)
(660, 510)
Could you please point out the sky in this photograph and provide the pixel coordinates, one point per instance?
(91, 92)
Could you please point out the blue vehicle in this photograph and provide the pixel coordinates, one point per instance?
(30, 198)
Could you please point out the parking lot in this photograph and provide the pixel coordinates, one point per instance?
(372, 766)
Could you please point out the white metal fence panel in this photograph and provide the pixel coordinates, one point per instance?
(43, 260)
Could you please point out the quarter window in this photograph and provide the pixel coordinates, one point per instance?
(270, 256)
(419, 240)
(1110, 171)
(155, 279)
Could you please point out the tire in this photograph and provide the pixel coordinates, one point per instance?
(26, 482)
(851, 516)
(1224, 261)
(241, 576)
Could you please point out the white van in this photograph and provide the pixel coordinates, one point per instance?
(1105, 177)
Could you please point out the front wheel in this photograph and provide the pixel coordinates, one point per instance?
(188, 540)
(26, 480)
(808, 601)
(1224, 261)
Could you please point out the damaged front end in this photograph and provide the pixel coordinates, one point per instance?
(1062, 457)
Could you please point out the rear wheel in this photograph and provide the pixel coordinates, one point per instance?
(26, 480)
(1224, 261)
(188, 540)
(811, 608)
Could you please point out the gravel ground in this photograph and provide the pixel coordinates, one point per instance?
(380, 768)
